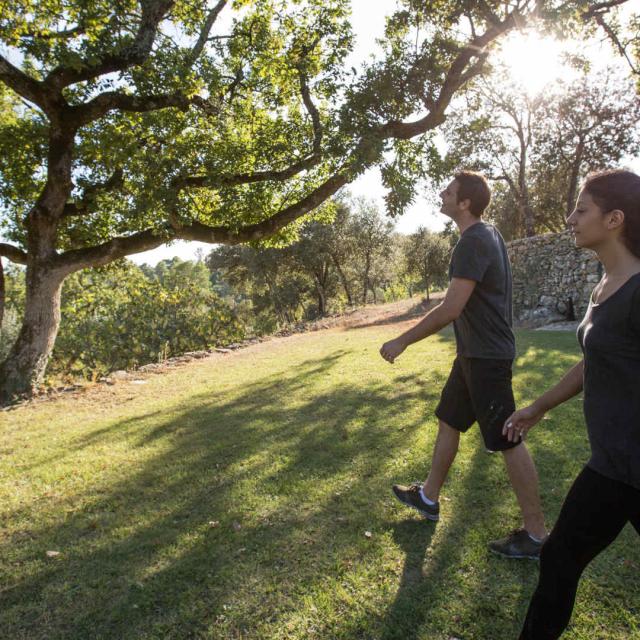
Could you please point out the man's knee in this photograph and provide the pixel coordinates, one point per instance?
(512, 452)
(447, 429)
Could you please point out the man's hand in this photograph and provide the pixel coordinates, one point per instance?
(392, 349)
(519, 422)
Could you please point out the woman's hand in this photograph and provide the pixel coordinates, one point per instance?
(518, 423)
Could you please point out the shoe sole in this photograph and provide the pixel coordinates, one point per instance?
(424, 514)
(518, 557)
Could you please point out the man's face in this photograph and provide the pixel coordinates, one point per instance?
(449, 197)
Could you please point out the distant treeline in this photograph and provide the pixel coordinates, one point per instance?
(126, 315)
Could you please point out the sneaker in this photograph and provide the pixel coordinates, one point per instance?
(411, 497)
(518, 544)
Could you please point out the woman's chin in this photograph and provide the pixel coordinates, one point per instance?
(577, 240)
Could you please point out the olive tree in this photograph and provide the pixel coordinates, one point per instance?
(142, 121)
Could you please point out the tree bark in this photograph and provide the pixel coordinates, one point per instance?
(343, 280)
(322, 301)
(2, 293)
(529, 222)
(573, 178)
(365, 280)
(23, 369)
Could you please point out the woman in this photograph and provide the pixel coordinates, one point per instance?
(606, 494)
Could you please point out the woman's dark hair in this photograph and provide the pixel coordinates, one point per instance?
(619, 189)
(473, 187)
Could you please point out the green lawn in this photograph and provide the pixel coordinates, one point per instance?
(230, 499)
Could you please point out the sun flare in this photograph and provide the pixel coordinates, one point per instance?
(534, 61)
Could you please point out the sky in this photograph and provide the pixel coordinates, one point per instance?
(368, 21)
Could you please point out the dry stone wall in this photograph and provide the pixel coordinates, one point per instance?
(552, 279)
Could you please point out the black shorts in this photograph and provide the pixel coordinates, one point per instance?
(479, 389)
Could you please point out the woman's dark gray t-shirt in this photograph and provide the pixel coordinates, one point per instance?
(609, 336)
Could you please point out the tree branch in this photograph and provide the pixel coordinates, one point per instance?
(313, 112)
(13, 253)
(120, 247)
(80, 207)
(206, 30)
(601, 7)
(234, 180)
(613, 36)
(110, 100)
(23, 84)
(52, 35)
(457, 75)
(153, 11)
(2, 292)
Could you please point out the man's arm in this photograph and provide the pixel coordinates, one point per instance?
(457, 296)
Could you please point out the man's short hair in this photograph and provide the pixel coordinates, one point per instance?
(473, 186)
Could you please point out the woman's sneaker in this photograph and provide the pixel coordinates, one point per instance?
(518, 544)
(411, 497)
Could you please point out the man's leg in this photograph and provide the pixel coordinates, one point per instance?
(524, 480)
(454, 408)
(444, 454)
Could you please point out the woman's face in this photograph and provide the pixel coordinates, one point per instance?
(590, 226)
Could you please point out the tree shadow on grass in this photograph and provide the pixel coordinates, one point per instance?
(254, 502)
(447, 590)
(219, 522)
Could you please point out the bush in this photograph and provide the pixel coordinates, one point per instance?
(119, 317)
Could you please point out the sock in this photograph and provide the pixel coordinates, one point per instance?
(431, 503)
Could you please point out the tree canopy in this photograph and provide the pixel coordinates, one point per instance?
(141, 121)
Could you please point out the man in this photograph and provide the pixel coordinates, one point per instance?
(478, 302)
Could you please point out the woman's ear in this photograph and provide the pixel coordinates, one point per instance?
(615, 219)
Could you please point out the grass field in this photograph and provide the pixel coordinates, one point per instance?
(232, 498)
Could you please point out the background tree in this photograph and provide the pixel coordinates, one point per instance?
(123, 315)
(269, 278)
(537, 149)
(141, 122)
(427, 257)
(591, 125)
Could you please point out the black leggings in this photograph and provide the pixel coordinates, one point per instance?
(593, 514)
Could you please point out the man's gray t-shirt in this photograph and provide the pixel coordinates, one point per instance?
(483, 329)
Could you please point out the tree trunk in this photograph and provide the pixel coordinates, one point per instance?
(2, 294)
(24, 368)
(345, 282)
(529, 222)
(365, 280)
(573, 178)
(322, 302)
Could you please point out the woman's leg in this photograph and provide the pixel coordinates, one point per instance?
(593, 514)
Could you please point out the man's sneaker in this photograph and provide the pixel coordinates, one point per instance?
(518, 544)
(411, 497)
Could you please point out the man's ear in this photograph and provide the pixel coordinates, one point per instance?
(465, 204)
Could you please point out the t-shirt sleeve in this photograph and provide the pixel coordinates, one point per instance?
(470, 259)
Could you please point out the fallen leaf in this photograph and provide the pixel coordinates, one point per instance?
(236, 526)
(367, 534)
(214, 523)
(52, 554)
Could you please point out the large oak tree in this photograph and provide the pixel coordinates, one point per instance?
(131, 123)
